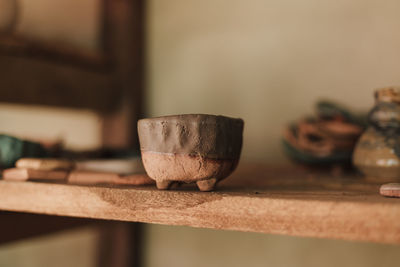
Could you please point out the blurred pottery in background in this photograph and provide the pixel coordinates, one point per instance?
(12, 149)
(190, 148)
(327, 139)
(377, 154)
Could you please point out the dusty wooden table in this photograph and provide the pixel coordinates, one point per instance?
(277, 200)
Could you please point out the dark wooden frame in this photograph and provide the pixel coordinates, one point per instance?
(110, 83)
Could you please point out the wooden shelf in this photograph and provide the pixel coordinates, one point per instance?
(279, 200)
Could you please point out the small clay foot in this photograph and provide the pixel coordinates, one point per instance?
(206, 185)
(163, 185)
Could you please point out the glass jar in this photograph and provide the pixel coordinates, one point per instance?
(377, 152)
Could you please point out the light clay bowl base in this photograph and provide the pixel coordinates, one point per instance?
(168, 168)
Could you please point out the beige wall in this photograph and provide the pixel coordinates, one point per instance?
(268, 61)
(184, 246)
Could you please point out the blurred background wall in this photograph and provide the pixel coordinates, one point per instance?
(268, 61)
(264, 61)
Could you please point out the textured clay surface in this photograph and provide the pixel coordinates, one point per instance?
(212, 136)
(167, 168)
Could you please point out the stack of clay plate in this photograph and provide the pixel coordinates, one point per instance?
(327, 138)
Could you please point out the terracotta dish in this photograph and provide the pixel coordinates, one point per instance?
(190, 148)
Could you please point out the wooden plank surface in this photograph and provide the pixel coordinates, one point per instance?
(278, 200)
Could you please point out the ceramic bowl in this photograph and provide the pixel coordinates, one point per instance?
(190, 148)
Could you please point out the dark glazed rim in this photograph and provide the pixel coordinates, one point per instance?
(188, 115)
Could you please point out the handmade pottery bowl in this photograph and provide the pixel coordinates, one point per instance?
(190, 148)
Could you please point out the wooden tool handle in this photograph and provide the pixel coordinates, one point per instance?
(22, 174)
(90, 178)
(76, 177)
